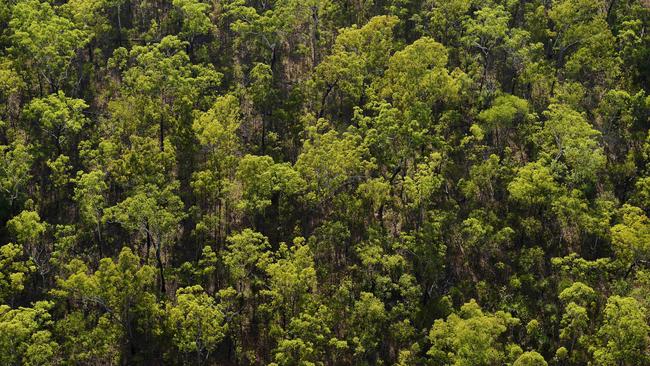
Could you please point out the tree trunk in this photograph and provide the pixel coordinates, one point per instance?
(148, 245)
(162, 134)
(99, 240)
(160, 266)
(314, 36)
(119, 25)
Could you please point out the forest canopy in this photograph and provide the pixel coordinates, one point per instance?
(325, 182)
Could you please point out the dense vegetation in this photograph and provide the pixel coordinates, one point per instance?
(325, 182)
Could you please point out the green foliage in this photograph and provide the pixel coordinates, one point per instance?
(631, 237)
(160, 87)
(530, 359)
(368, 320)
(25, 337)
(14, 271)
(27, 227)
(309, 339)
(292, 278)
(218, 126)
(324, 182)
(44, 42)
(358, 58)
(89, 192)
(624, 335)
(58, 114)
(15, 170)
(121, 292)
(28, 230)
(329, 162)
(578, 293)
(197, 323)
(417, 78)
(570, 146)
(469, 337)
(488, 29)
(533, 185)
(246, 258)
(506, 111)
(151, 211)
(195, 20)
(261, 179)
(581, 32)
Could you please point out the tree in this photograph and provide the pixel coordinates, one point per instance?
(582, 39)
(263, 181)
(631, 237)
(470, 337)
(11, 85)
(417, 82)
(575, 326)
(530, 359)
(28, 230)
(246, 258)
(14, 271)
(569, 144)
(155, 215)
(623, 338)
(216, 131)
(195, 20)
(329, 163)
(89, 337)
(368, 322)
(197, 322)
(162, 85)
(25, 335)
(15, 170)
(507, 112)
(264, 98)
(121, 294)
(309, 339)
(264, 31)
(324, 182)
(579, 293)
(534, 185)
(292, 277)
(45, 43)
(59, 117)
(447, 19)
(487, 33)
(90, 193)
(359, 57)
(140, 165)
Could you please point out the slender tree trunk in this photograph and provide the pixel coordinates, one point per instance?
(263, 136)
(162, 134)
(611, 6)
(119, 24)
(146, 253)
(314, 36)
(160, 266)
(99, 240)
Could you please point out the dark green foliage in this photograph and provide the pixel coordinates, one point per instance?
(325, 182)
